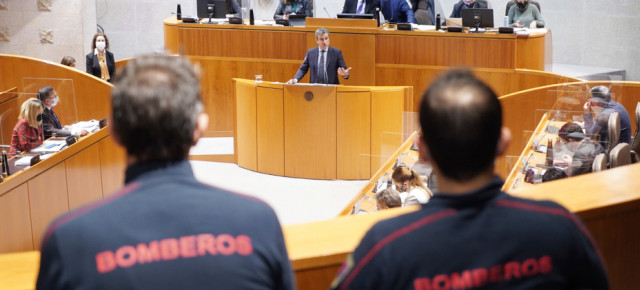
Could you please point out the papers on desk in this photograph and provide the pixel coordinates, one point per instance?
(214, 20)
(265, 22)
(50, 146)
(24, 161)
(89, 126)
(425, 27)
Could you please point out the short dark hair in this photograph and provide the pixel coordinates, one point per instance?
(568, 128)
(461, 120)
(44, 92)
(601, 93)
(155, 104)
(553, 173)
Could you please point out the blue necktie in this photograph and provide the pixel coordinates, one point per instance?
(322, 71)
(360, 7)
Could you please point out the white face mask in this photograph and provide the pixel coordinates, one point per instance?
(101, 45)
(55, 102)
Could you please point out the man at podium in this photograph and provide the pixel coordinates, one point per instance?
(325, 62)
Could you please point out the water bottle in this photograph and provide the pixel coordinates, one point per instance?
(251, 18)
(438, 22)
(179, 13)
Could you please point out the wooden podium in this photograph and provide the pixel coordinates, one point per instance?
(316, 131)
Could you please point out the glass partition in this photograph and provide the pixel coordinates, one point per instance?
(66, 109)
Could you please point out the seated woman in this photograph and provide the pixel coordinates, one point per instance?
(524, 15)
(287, 7)
(28, 131)
(409, 183)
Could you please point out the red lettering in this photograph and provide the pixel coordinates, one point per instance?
(422, 284)
(226, 244)
(545, 265)
(169, 249)
(495, 274)
(245, 247)
(148, 254)
(206, 244)
(105, 262)
(461, 282)
(480, 277)
(441, 282)
(188, 246)
(512, 269)
(126, 256)
(530, 267)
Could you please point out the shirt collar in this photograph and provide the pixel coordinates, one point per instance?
(143, 170)
(95, 51)
(472, 198)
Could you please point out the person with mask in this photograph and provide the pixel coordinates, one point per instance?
(466, 4)
(100, 61)
(287, 7)
(50, 122)
(596, 116)
(524, 15)
(27, 133)
(581, 151)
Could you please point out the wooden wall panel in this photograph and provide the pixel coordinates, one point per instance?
(84, 180)
(246, 132)
(445, 51)
(47, 200)
(15, 232)
(9, 112)
(310, 132)
(270, 130)
(528, 53)
(112, 165)
(386, 129)
(354, 135)
(359, 52)
(247, 43)
(92, 95)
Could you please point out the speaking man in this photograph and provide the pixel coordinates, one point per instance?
(325, 62)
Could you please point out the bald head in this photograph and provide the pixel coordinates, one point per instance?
(461, 121)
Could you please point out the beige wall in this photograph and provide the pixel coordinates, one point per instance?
(70, 24)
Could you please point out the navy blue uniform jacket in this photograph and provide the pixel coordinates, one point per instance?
(310, 63)
(166, 230)
(484, 239)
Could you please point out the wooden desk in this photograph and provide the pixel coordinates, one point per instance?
(378, 58)
(336, 134)
(29, 200)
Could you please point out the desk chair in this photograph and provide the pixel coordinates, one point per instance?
(513, 2)
(635, 141)
(613, 131)
(599, 163)
(620, 155)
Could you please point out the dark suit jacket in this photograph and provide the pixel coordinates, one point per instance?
(350, 6)
(455, 13)
(397, 11)
(93, 65)
(51, 124)
(334, 60)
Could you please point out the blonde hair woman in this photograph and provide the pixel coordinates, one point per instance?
(28, 131)
(409, 183)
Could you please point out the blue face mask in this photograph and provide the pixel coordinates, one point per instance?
(55, 101)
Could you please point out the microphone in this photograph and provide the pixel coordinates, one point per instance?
(325, 10)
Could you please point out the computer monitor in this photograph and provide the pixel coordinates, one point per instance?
(297, 19)
(477, 17)
(355, 16)
(220, 8)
